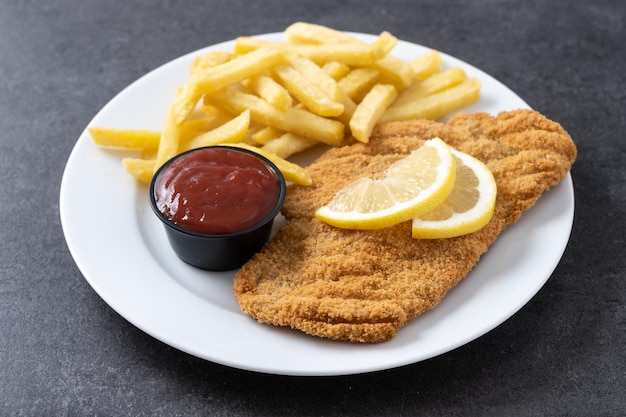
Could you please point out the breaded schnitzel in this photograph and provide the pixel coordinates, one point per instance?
(363, 286)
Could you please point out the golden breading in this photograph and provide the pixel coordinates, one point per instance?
(363, 286)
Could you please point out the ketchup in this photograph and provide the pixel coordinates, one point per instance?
(216, 190)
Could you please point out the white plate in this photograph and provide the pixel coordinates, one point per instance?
(121, 249)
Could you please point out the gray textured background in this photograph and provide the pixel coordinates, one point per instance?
(64, 352)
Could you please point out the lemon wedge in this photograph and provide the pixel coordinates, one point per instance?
(469, 206)
(410, 187)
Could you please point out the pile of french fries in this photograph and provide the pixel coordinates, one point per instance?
(279, 98)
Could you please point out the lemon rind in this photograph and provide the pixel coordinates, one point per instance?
(471, 221)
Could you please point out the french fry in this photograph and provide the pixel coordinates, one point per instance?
(289, 144)
(349, 107)
(336, 70)
(438, 105)
(209, 60)
(293, 119)
(433, 84)
(327, 84)
(230, 132)
(170, 135)
(220, 76)
(252, 129)
(317, 76)
(142, 169)
(185, 103)
(426, 65)
(265, 135)
(307, 92)
(348, 53)
(358, 82)
(310, 33)
(247, 44)
(370, 110)
(125, 138)
(395, 71)
(274, 93)
(292, 172)
(239, 68)
(213, 115)
(213, 118)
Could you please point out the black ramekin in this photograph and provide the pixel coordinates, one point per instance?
(225, 251)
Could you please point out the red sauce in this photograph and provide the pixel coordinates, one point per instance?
(216, 190)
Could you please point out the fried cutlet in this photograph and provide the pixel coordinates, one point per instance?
(363, 286)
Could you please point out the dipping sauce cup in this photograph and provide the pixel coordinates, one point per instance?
(217, 204)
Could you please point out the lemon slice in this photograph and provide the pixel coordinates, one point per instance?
(468, 208)
(411, 187)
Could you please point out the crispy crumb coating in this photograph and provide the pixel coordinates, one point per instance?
(363, 286)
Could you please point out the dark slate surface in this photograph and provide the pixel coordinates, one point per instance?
(64, 352)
